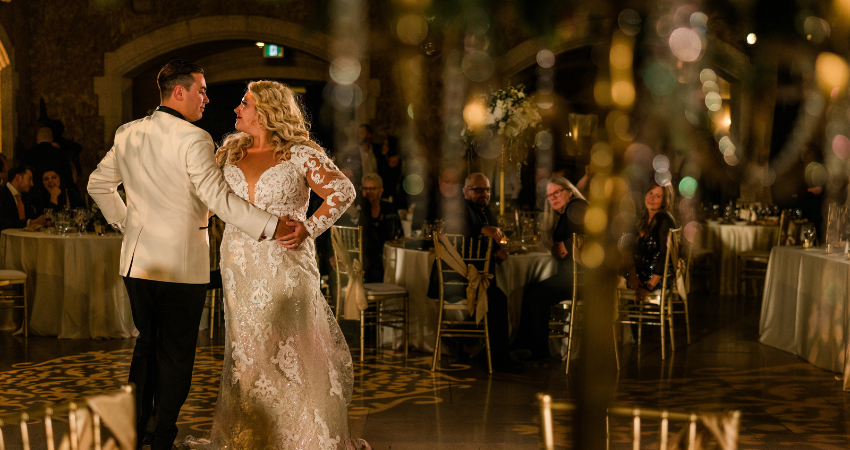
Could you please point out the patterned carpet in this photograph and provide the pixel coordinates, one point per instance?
(785, 402)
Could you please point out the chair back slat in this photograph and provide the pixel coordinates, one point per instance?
(784, 224)
(25, 435)
(725, 435)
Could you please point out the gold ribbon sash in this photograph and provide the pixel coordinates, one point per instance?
(355, 294)
(476, 291)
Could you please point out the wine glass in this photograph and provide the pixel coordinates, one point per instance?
(81, 216)
(48, 215)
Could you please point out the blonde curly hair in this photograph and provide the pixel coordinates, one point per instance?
(281, 114)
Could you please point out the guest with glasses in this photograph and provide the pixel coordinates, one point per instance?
(380, 223)
(564, 215)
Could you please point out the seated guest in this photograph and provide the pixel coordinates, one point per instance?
(389, 168)
(47, 155)
(15, 209)
(380, 224)
(55, 195)
(564, 216)
(481, 224)
(650, 248)
(446, 203)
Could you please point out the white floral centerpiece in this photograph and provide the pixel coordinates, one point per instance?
(513, 117)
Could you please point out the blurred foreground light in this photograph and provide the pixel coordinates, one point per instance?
(815, 174)
(543, 140)
(699, 20)
(751, 38)
(629, 22)
(412, 29)
(713, 101)
(410, 111)
(346, 96)
(477, 65)
(841, 146)
(474, 114)
(661, 163)
(769, 177)
(688, 187)
(732, 160)
(621, 56)
(707, 75)
(692, 230)
(663, 178)
(816, 29)
(592, 255)
(659, 79)
(545, 58)
(595, 220)
(345, 70)
(831, 71)
(260, 44)
(623, 93)
(601, 157)
(686, 44)
(413, 184)
(726, 146)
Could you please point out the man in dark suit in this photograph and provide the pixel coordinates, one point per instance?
(15, 211)
(47, 155)
(481, 223)
(362, 159)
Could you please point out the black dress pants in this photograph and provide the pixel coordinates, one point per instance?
(537, 302)
(167, 316)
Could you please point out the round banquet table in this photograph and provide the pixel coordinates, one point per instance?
(74, 288)
(411, 269)
(726, 241)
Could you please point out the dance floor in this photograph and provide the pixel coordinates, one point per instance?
(785, 402)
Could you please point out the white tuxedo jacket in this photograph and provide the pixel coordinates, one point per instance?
(170, 175)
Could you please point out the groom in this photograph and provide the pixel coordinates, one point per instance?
(170, 176)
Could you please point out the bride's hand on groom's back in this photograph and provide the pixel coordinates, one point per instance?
(282, 229)
(296, 234)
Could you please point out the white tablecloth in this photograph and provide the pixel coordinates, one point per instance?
(726, 241)
(74, 288)
(412, 268)
(804, 310)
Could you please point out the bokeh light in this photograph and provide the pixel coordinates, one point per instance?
(595, 220)
(592, 255)
(688, 187)
(686, 44)
(663, 178)
(412, 29)
(629, 22)
(413, 184)
(692, 231)
(661, 163)
(345, 70)
(751, 38)
(474, 114)
(545, 58)
(477, 65)
(841, 146)
(543, 140)
(831, 71)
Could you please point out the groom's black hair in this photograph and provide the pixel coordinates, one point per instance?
(176, 72)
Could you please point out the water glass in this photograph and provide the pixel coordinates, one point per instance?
(48, 214)
(63, 222)
(81, 217)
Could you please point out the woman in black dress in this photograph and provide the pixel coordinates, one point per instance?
(55, 195)
(565, 209)
(650, 247)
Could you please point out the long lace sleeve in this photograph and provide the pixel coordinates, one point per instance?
(326, 180)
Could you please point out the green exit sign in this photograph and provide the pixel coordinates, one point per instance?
(273, 51)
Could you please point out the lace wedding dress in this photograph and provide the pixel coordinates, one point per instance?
(287, 376)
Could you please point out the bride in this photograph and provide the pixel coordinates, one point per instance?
(287, 376)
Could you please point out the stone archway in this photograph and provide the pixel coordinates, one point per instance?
(8, 81)
(114, 88)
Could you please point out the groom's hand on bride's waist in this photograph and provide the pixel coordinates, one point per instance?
(296, 237)
(282, 229)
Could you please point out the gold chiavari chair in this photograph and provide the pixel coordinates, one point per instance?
(656, 309)
(565, 317)
(10, 300)
(87, 420)
(377, 314)
(699, 430)
(450, 322)
(752, 265)
(215, 301)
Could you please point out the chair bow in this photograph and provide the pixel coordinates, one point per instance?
(355, 293)
(476, 291)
